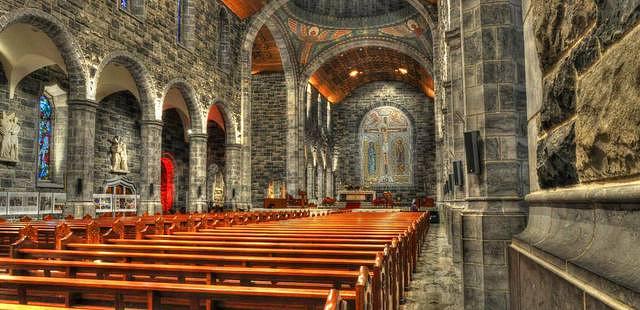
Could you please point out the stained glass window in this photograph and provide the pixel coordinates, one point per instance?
(124, 4)
(44, 138)
(180, 20)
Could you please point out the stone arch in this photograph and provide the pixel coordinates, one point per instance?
(295, 112)
(294, 131)
(151, 110)
(60, 36)
(197, 120)
(258, 20)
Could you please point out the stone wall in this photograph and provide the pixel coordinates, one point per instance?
(99, 27)
(481, 87)
(582, 89)
(269, 133)
(347, 116)
(117, 115)
(173, 142)
(87, 33)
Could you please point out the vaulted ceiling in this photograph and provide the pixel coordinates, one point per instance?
(245, 8)
(338, 77)
(317, 25)
(352, 8)
(265, 53)
(337, 8)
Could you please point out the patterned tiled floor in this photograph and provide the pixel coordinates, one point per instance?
(437, 283)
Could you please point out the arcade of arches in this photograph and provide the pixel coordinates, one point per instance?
(519, 118)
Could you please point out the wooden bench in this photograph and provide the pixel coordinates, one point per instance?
(259, 253)
(120, 294)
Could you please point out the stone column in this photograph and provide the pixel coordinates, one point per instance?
(196, 200)
(151, 131)
(80, 158)
(495, 105)
(320, 183)
(329, 186)
(244, 200)
(233, 175)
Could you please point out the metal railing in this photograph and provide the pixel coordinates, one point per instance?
(15, 204)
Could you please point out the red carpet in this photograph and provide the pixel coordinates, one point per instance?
(352, 205)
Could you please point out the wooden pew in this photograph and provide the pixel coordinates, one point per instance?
(382, 282)
(319, 240)
(121, 294)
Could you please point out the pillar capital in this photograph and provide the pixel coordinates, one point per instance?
(83, 104)
(152, 123)
(198, 137)
(236, 146)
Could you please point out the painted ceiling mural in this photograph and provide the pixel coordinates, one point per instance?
(311, 39)
(317, 26)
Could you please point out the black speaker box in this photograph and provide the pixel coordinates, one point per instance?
(472, 151)
(458, 174)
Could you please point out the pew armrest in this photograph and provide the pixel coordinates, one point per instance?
(334, 301)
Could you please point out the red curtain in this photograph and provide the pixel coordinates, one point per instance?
(166, 183)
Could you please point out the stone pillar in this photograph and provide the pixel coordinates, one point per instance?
(151, 131)
(495, 105)
(80, 158)
(233, 175)
(196, 201)
(329, 186)
(244, 200)
(320, 183)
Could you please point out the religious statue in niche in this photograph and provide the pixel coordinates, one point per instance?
(386, 154)
(9, 130)
(218, 188)
(119, 159)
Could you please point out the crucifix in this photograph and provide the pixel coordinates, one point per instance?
(383, 128)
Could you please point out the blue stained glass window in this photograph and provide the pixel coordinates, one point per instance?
(124, 4)
(181, 9)
(44, 138)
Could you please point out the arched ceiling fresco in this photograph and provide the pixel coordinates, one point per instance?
(316, 26)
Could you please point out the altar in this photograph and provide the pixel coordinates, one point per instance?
(356, 195)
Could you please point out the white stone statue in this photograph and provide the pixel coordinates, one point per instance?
(119, 159)
(9, 130)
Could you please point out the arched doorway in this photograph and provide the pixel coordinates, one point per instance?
(167, 174)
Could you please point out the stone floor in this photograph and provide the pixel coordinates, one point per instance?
(437, 284)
